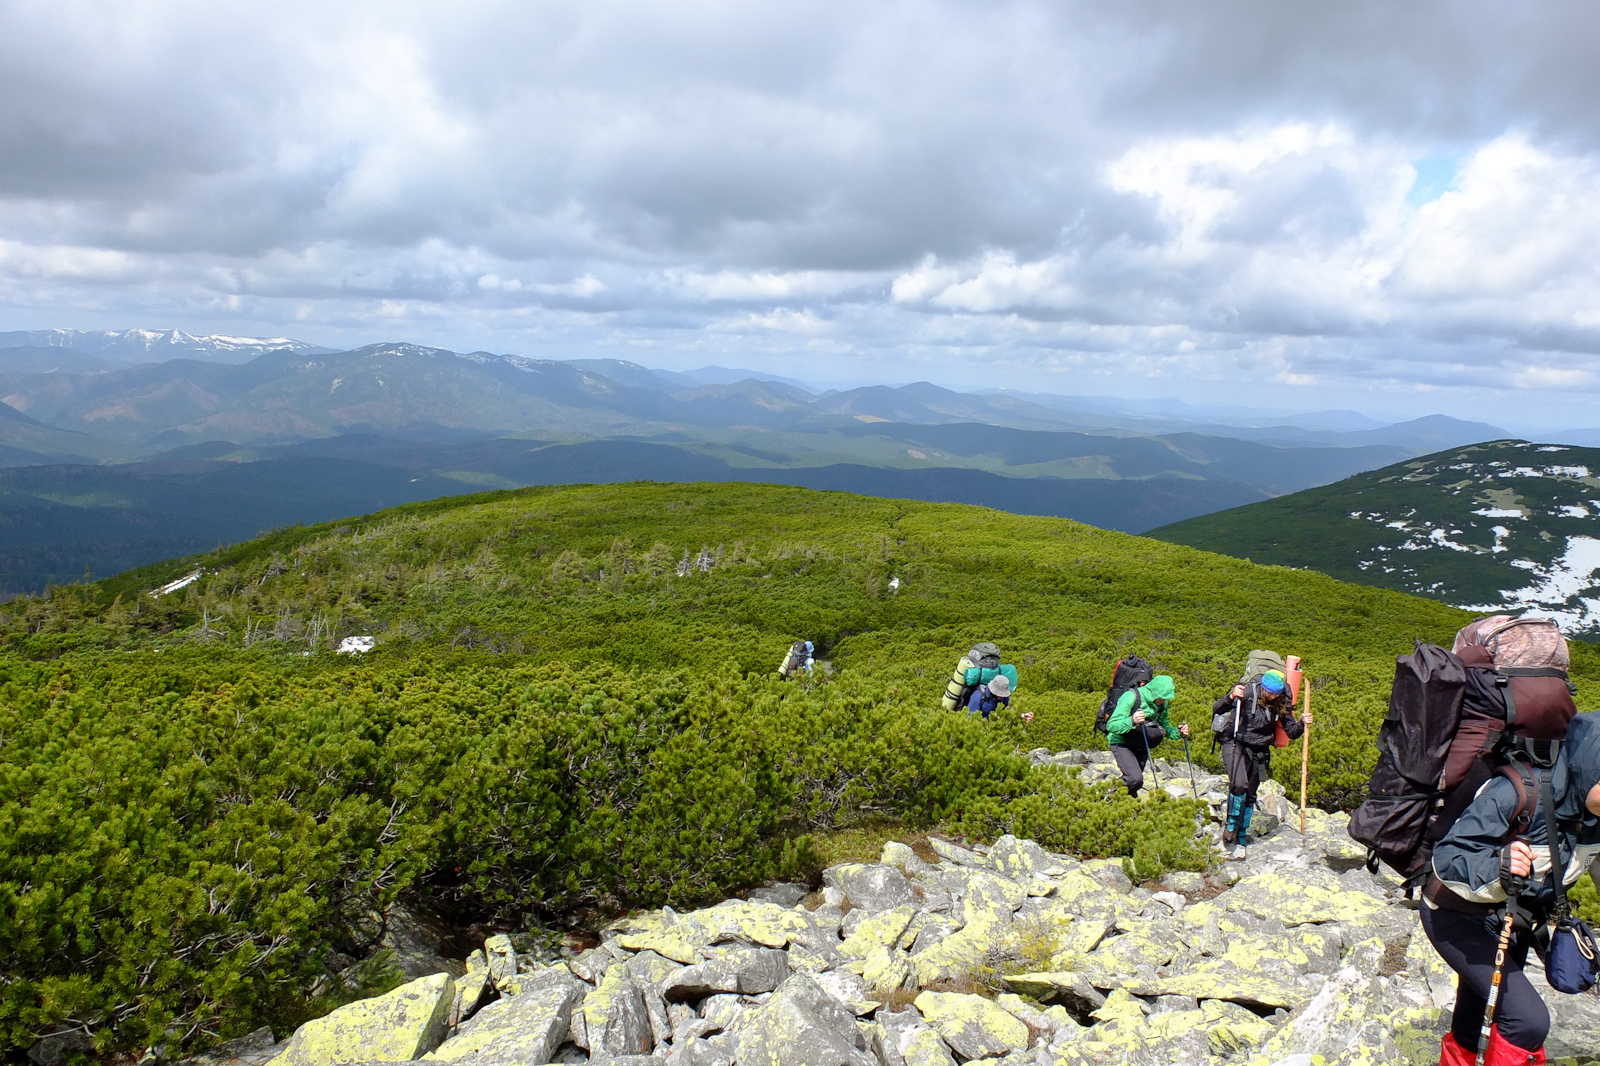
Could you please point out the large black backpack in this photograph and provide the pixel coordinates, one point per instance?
(1431, 764)
(1131, 671)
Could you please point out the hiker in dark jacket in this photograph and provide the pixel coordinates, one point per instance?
(1138, 723)
(1245, 722)
(1464, 904)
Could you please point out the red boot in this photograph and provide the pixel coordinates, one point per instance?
(1453, 1054)
(1503, 1052)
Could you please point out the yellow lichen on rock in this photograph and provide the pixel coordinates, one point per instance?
(1231, 1028)
(972, 1025)
(399, 1026)
(880, 930)
(1300, 900)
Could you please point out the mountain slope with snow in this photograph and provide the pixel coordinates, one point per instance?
(1505, 525)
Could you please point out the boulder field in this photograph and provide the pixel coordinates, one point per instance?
(941, 953)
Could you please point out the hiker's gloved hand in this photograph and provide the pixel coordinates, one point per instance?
(1516, 863)
(1138, 718)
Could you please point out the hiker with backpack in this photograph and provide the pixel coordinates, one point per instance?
(1495, 870)
(1137, 724)
(990, 696)
(1486, 795)
(973, 671)
(1246, 722)
(800, 658)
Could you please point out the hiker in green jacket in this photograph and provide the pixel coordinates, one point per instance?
(1140, 723)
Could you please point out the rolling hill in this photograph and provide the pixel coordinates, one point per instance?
(1505, 525)
(569, 710)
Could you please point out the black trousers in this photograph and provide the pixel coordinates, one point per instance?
(1244, 766)
(1467, 944)
(1131, 754)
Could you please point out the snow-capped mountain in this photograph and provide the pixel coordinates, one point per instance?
(155, 345)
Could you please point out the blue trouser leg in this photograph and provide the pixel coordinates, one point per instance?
(1235, 812)
(1246, 810)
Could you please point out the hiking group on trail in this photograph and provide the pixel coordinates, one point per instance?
(1485, 799)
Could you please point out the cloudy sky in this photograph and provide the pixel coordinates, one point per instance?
(1387, 206)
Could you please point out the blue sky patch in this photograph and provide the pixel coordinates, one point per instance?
(1435, 175)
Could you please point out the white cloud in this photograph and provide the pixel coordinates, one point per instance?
(1175, 194)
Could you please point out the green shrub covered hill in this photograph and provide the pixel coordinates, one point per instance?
(571, 708)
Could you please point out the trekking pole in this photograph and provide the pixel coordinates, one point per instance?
(1190, 760)
(1149, 759)
(1494, 983)
(1305, 758)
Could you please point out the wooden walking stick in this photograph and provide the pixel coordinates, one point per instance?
(1305, 758)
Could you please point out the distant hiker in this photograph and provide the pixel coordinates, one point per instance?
(1496, 857)
(990, 697)
(1245, 722)
(1138, 724)
(977, 667)
(798, 659)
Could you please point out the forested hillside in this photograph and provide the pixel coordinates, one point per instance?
(570, 709)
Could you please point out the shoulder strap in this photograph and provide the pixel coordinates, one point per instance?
(1522, 780)
(1558, 868)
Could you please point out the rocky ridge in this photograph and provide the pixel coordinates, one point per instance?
(1007, 954)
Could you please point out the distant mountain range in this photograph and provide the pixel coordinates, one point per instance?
(1504, 525)
(150, 345)
(140, 440)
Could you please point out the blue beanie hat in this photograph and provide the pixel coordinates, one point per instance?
(1273, 681)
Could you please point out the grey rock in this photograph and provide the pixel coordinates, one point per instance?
(870, 886)
(722, 1010)
(783, 893)
(1172, 1004)
(660, 1017)
(1185, 882)
(591, 965)
(502, 958)
(650, 968)
(570, 1055)
(1020, 860)
(418, 941)
(698, 1051)
(833, 896)
(1109, 872)
(958, 855)
(525, 1028)
(1173, 900)
(253, 1049)
(852, 922)
(902, 857)
(57, 1046)
(404, 1024)
(800, 1026)
(1069, 758)
(741, 970)
(615, 1018)
(932, 932)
